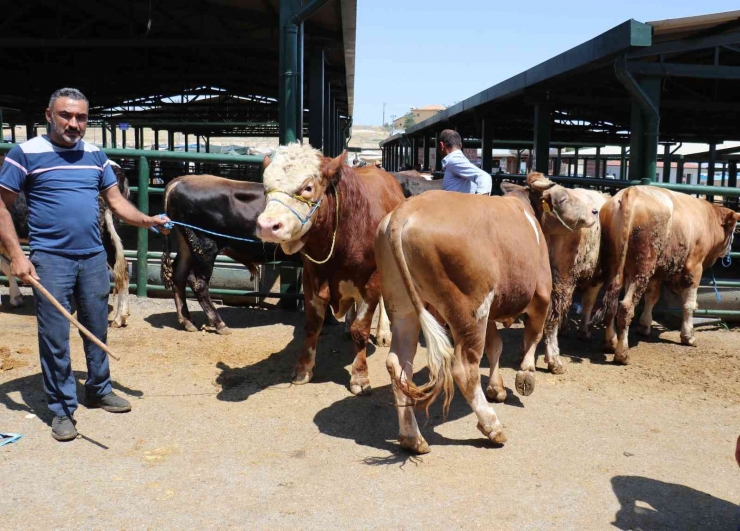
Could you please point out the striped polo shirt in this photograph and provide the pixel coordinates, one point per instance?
(61, 186)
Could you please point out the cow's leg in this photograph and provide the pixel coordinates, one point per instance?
(180, 276)
(466, 372)
(383, 335)
(537, 312)
(494, 346)
(16, 298)
(651, 298)
(588, 301)
(360, 331)
(400, 364)
(349, 319)
(120, 289)
(634, 290)
(316, 302)
(688, 302)
(202, 269)
(562, 298)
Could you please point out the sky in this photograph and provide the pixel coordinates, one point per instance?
(411, 53)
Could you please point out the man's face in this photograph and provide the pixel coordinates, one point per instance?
(68, 120)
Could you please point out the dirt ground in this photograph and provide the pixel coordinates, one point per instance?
(219, 439)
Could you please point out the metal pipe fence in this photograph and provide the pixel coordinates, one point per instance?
(143, 191)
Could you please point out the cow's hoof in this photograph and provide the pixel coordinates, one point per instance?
(360, 386)
(584, 336)
(494, 433)
(416, 445)
(301, 378)
(643, 330)
(223, 330)
(495, 395)
(189, 327)
(622, 359)
(688, 341)
(610, 346)
(556, 367)
(115, 323)
(525, 383)
(15, 302)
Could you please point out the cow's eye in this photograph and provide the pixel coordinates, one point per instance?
(308, 189)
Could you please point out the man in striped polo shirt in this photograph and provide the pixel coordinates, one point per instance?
(62, 177)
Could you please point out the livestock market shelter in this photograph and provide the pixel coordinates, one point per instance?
(205, 68)
(642, 86)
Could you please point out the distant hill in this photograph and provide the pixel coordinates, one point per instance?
(367, 136)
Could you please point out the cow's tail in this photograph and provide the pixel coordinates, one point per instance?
(120, 266)
(439, 348)
(616, 249)
(166, 271)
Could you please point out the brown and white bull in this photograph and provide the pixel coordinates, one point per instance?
(574, 255)
(477, 260)
(328, 212)
(650, 236)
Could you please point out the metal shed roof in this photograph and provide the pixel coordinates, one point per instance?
(124, 53)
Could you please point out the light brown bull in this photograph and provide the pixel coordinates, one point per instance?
(651, 235)
(477, 260)
(574, 255)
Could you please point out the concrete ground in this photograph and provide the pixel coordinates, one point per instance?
(219, 438)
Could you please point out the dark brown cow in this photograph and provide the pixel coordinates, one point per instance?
(412, 183)
(218, 205)
(328, 212)
(652, 235)
(477, 260)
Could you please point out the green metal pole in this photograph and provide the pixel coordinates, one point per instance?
(486, 144)
(142, 243)
(651, 86)
(575, 165)
(541, 151)
(637, 144)
(623, 164)
(711, 168)
(288, 59)
(105, 136)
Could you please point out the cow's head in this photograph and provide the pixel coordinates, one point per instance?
(296, 179)
(729, 220)
(558, 209)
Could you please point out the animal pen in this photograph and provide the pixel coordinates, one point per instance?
(644, 87)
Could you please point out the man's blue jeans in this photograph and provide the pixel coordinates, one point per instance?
(85, 280)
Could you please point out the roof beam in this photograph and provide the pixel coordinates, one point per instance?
(682, 46)
(684, 70)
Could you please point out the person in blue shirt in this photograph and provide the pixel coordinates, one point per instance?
(62, 177)
(461, 175)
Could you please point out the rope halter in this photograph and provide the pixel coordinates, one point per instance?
(315, 206)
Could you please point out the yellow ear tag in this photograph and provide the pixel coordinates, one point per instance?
(545, 206)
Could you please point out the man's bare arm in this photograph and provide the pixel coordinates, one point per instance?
(20, 266)
(128, 213)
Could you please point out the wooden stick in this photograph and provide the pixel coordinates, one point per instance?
(36, 284)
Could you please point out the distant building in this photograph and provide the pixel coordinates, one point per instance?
(419, 114)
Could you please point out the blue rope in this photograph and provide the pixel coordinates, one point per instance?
(170, 224)
(714, 283)
(727, 261)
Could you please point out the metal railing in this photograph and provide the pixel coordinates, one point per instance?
(143, 191)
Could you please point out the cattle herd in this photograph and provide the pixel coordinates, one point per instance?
(450, 265)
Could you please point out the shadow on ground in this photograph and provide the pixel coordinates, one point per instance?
(335, 351)
(648, 504)
(372, 421)
(33, 398)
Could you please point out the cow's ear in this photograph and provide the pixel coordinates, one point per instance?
(331, 168)
(737, 216)
(538, 182)
(266, 162)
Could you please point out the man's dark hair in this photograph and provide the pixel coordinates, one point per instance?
(67, 92)
(450, 138)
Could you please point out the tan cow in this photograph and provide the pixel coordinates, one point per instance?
(477, 260)
(328, 212)
(574, 255)
(651, 235)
